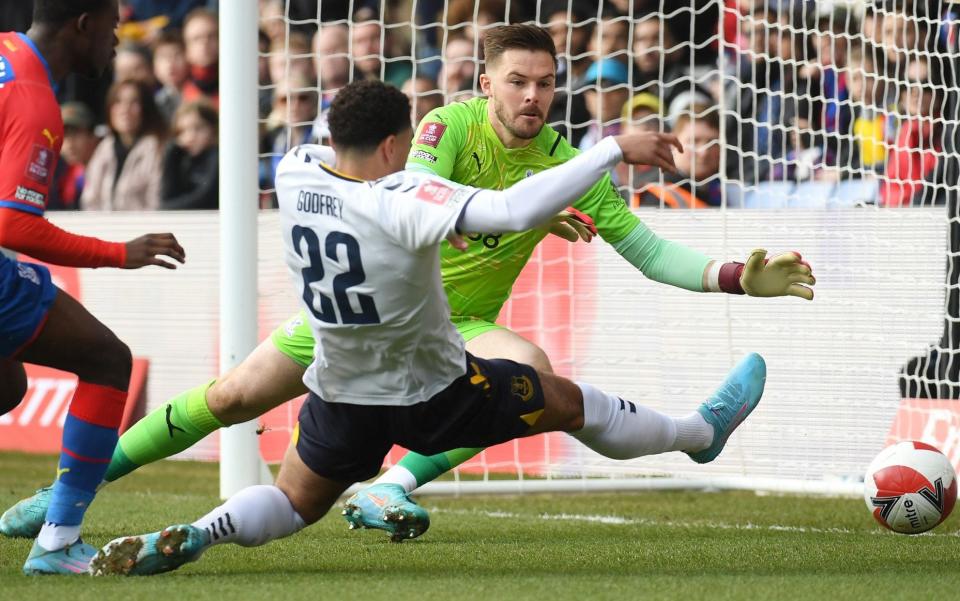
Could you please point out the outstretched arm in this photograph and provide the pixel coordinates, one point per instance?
(536, 199)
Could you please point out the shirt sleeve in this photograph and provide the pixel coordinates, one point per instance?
(441, 134)
(29, 147)
(420, 213)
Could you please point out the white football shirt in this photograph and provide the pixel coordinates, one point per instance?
(365, 258)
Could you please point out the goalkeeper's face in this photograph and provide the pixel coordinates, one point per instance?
(520, 86)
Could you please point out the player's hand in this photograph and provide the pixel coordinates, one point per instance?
(783, 275)
(457, 241)
(650, 148)
(572, 225)
(147, 250)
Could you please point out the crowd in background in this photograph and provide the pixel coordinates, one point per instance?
(769, 90)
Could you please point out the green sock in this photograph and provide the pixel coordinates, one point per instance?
(428, 468)
(177, 425)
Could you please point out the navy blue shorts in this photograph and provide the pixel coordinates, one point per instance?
(493, 402)
(26, 293)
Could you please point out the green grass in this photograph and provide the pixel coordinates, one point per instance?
(664, 546)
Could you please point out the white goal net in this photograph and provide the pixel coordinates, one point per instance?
(823, 127)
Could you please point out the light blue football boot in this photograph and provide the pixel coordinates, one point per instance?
(73, 559)
(732, 403)
(154, 553)
(387, 507)
(25, 518)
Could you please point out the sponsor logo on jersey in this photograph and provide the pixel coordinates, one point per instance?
(423, 155)
(6, 71)
(31, 196)
(434, 192)
(431, 133)
(50, 137)
(41, 164)
(10, 46)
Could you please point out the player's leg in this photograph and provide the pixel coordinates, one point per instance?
(71, 339)
(487, 341)
(622, 429)
(270, 376)
(386, 504)
(334, 439)
(14, 387)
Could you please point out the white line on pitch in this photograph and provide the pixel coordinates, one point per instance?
(622, 521)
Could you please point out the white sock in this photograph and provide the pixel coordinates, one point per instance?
(621, 429)
(254, 516)
(399, 475)
(53, 537)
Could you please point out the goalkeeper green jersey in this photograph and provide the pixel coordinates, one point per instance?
(458, 142)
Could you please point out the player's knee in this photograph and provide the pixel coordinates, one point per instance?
(13, 392)
(116, 363)
(227, 401)
(534, 356)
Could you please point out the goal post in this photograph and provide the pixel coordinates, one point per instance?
(825, 127)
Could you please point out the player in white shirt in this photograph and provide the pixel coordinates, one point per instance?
(362, 243)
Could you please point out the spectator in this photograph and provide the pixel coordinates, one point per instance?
(911, 170)
(202, 48)
(697, 181)
(423, 96)
(459, 67)
(79, 143)
(171, 13)
(873, 126)
(124, 172)
(660, 65)
(368, 49)
(331, 56)
(133, 62)
(564, 17)
(170, 70)
(292, 122)
(461, 21)
(190, 164)
(642, 112)
(273, 20)
(769, 100)
(291, 56)
(609, 39)
(605, 96)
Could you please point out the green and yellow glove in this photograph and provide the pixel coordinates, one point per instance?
(783, 275)
(572, 225)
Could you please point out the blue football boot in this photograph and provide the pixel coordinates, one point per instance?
(72, 559)
(732, 403)
(387, 507)
(154, 553)
(25, 518)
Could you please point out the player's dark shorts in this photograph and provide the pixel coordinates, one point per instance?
(493, 402)
(26, 293)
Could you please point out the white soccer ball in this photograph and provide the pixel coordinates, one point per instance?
(910, 487)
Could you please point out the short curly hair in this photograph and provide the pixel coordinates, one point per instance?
(365, 112)
(60, 11)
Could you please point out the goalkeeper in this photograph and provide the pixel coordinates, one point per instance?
(491, 143)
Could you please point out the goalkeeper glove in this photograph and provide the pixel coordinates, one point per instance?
(572, 225)
(783, 275)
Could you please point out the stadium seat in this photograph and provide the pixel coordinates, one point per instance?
(853, 192)
(768, 195)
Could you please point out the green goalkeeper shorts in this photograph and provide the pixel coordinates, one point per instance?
(295, 340)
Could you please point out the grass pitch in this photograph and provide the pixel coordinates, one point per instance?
(581, 546)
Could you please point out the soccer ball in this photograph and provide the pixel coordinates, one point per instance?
(910, 487)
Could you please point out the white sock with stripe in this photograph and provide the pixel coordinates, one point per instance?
(254, 516)
(621, 429)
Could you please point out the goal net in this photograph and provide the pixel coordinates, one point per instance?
(824, 127)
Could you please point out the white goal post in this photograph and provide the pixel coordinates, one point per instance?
(825, 127)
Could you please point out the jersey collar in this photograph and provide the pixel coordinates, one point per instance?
(26, 40)
(338, 174)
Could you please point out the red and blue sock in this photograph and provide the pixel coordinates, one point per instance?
(89, 438)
